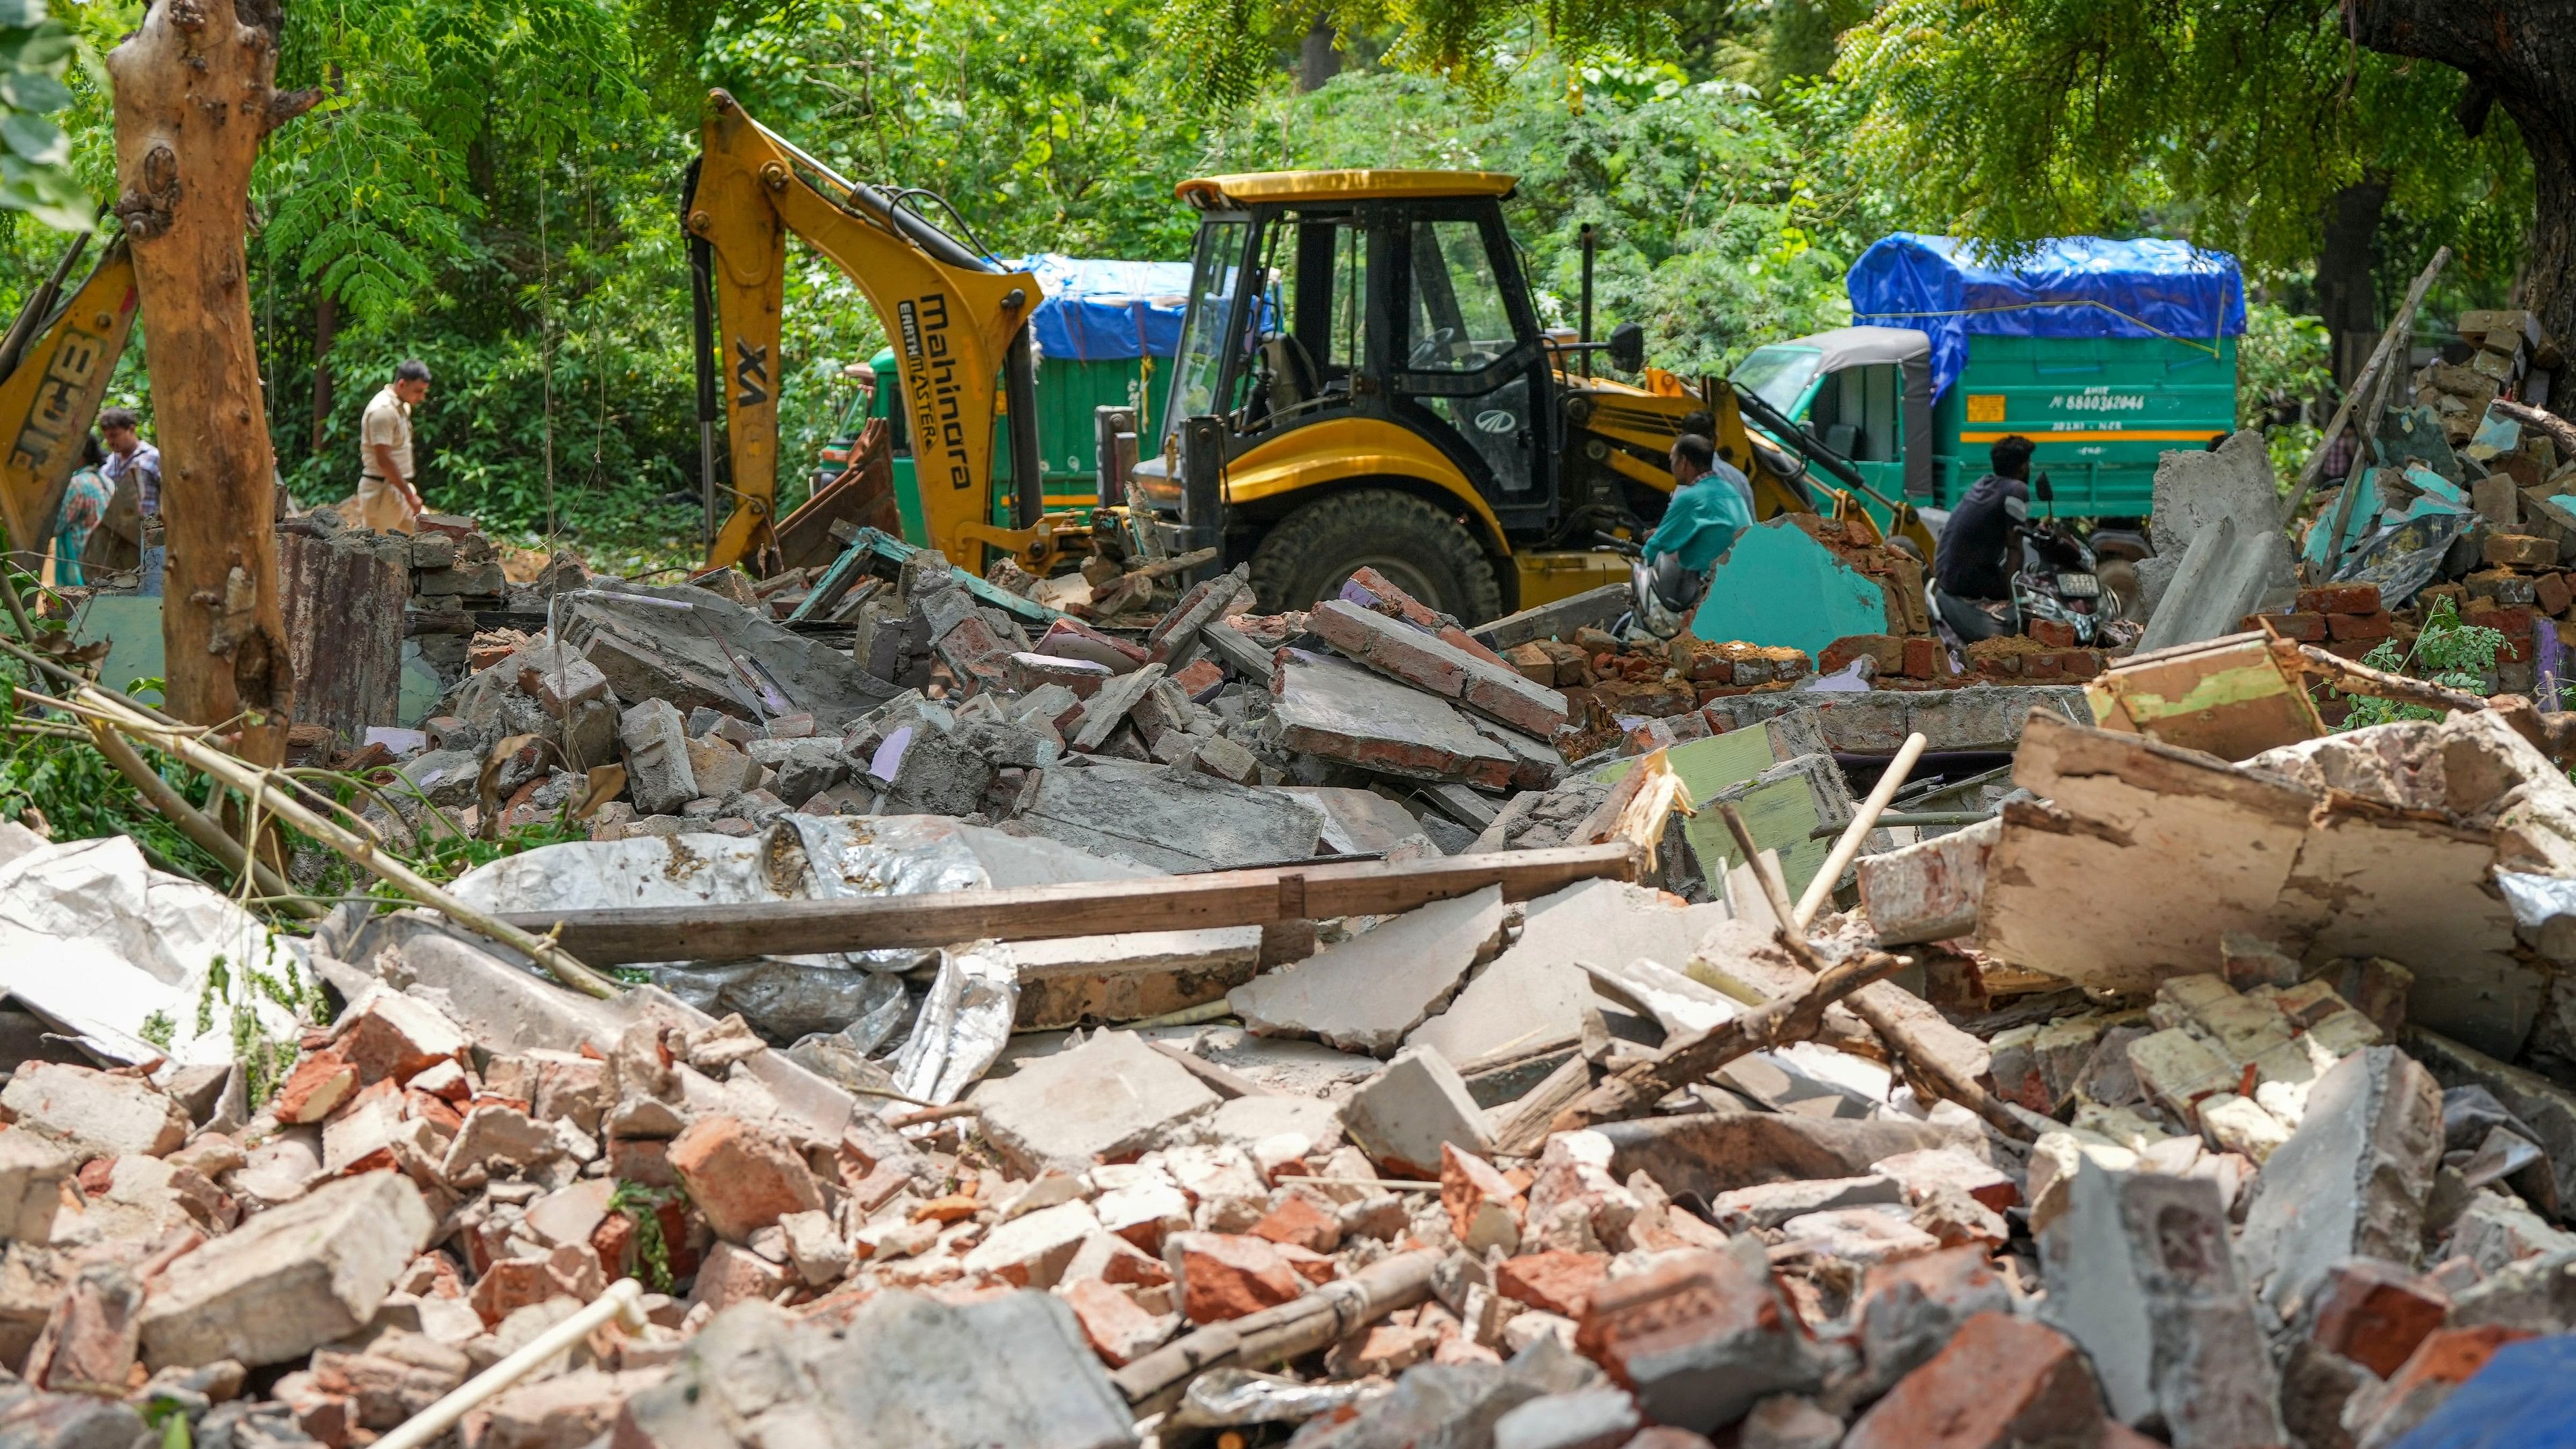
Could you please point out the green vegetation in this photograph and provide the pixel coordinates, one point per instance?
(494, 188)
(2448, 652)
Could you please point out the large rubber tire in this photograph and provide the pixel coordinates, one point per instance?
(1419, 548)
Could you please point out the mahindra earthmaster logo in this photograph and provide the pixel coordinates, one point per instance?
(930, 381)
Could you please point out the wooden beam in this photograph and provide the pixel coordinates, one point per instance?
(1259, 897)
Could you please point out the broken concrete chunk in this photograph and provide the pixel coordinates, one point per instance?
(1177, 820)
(1365, 994)
(1928, 891)
(907, 1369)
(2352, 1180)
(659, 777)
(2141, 1274)
(1112, 1097)
(94, 1113)
(289, 1279)
(1404, 1115)
(1429, 662)
(1342, 712)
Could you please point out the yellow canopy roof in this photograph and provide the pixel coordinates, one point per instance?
(1342, 185)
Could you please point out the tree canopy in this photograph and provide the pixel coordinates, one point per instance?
(492, 185)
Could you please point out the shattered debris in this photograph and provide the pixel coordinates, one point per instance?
(1089, 1012)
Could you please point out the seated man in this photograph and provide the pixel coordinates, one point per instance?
(1974, 565)
(1707, 511)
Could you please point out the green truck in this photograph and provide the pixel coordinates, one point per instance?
(2105, 354)
(1104, 333)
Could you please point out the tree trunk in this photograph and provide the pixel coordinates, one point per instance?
(326, 322)
(1317, 60)
(195, 93)
(2347, 298)
(2517, 51)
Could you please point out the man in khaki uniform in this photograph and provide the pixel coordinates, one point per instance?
(387, 501)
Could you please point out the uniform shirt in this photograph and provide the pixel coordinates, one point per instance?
(1974, 560)
(387, 422)
(1701, 522)
(145, 464)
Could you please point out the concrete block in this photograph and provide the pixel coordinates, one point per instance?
(1172, 820)
(1345, 713)
(1112, 1097)
(93, 1113)
(1601, 1418)
(1910, 1308)
(1404, 1115)
(658, 774)
(289, 1279)
(1426, 661)
(907, 1369)
(1365, 994)
(1928, 891)
(2352, 1180)
(1771, 1204)
(2141, 1274)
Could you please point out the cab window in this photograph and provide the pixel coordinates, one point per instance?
(1457, 322)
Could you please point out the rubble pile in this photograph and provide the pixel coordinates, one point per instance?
(1160, 1022)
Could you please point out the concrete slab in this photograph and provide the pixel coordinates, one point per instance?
(1368, 992)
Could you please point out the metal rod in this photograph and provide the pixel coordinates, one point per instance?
(1822, 887)
(1583, 332)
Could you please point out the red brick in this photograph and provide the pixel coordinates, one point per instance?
(2376, 1313)
(1886, 649)
(1664, 1333)
(390, 1035)
(2051, 632)
(1298, 1222)
(1225, 1276)
(510, 1285)
(321, 1081)
(2001, 1381)
(2305, 625)
(2552, 593)
(2521, 551)
(742, 1179)
(2360, 626)
(1924, 658)
(733, 1275)
(1200, 680)
(1116, 1328)
(2340, 599)
(1557, 1282)
(2082, 663)
(1483, 1208)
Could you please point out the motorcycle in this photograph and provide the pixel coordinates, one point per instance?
(1666, 592)
(2059, 580)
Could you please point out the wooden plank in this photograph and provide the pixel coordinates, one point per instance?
(1596, 607)
(1257, 897)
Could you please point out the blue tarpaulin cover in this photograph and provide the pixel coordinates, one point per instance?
(1098, 309)
(2076, 286)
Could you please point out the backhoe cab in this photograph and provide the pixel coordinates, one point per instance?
(1363, 380)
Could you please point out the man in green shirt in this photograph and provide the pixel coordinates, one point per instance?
(1707, 511)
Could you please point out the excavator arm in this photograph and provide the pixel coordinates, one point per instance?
(956, 320)
(54, 366)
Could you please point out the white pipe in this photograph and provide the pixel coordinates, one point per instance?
(623, 1301)
(1867, 816)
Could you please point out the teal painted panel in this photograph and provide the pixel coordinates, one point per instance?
(132, 627)
(1777, 586)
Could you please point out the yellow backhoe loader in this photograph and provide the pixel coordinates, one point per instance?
(957, 321)
(1362, 380)
(55, 361)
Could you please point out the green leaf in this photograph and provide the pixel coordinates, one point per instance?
(35, 138)
(50, 45)
(34, 91)
(22, 12)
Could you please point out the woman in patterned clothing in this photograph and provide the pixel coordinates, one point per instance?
(84, 504)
